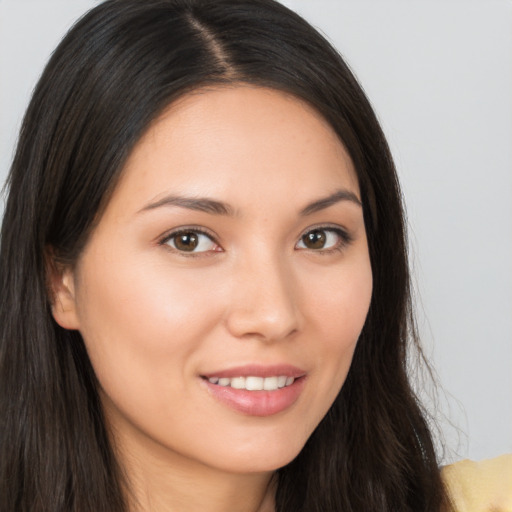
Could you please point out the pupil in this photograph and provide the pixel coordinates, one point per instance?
(314, 239)
(186, 242)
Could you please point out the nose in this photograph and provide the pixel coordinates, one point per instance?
(263, 301)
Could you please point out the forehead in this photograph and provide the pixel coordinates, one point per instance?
(237, 143)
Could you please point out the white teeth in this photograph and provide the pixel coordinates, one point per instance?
(270, 383)
(238, 383)
(254, 383)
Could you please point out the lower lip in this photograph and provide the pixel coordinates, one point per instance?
(257, 403)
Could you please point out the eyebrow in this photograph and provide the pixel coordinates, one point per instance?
(337, 197)
(201, 204)
(206, 205)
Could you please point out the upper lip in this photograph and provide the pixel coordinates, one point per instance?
(257, 370)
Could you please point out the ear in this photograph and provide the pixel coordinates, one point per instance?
(61, 290)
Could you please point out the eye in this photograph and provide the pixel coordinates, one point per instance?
(323, 239)
(190, 241)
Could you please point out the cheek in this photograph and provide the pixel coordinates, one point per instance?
(137, 301)
(141, 325)
(338, 312)
(341, 300)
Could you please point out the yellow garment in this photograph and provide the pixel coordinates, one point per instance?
(480, 486)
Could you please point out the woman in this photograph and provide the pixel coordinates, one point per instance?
(204, 275)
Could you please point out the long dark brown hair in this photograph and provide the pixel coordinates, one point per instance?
(115, 72)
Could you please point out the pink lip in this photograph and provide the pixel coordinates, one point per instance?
(258, 403)
(258, 371)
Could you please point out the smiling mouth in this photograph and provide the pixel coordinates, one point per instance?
(257, 390)
(253, 383)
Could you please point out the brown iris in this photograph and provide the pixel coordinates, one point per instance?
(186, 241)
(315, 239)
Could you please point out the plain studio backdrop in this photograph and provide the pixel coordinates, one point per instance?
(439, 74)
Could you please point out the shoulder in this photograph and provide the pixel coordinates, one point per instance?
(484, 486)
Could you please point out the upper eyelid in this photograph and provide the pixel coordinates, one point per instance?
(187, 229)
(327, 227)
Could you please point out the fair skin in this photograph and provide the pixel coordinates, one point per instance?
(269, 274)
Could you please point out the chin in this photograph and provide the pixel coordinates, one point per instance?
(267, 458)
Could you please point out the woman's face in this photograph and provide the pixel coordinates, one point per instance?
(231, 257)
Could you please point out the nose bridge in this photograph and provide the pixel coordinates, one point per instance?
(264, 303)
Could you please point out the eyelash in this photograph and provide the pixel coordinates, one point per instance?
(344, 240)
(185, 230)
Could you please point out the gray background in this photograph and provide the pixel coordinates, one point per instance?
(439, 74)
